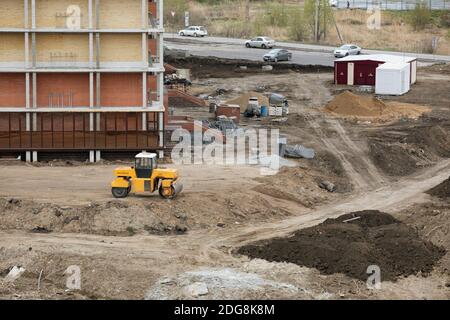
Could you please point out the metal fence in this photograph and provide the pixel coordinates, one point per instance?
(393, 4)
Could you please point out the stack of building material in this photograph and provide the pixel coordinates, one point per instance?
(229, 111)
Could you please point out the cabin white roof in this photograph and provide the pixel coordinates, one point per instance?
(393, 66)
(146, 155)
(387, 58)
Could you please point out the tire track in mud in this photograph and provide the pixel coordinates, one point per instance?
(356, 178)
(361, 180)
(375, 175)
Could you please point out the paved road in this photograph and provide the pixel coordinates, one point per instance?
(394, 4)
(305, 54)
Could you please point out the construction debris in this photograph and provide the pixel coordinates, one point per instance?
(327, 185)
(196, 289)
(243, 100)
(299, 151)
(14, 274)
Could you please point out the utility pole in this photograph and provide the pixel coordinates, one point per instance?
(316, 22)
(247, 10)
(324, 19)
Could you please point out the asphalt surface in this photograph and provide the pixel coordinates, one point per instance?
(303, 54)
(393, 4)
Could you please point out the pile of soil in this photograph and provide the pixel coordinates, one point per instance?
(350, 105)
(395, 159)
(442, 190)
(352, 243)
(401, 150)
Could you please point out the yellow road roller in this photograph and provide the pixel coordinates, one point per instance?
(146, 177)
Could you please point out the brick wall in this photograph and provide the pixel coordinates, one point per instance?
(121, 89)
(66, 89)
(12, 90)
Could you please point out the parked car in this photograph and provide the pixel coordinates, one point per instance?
(334, 3)
(260, 42)
(194, 31)
(278, 55)
(347, 50)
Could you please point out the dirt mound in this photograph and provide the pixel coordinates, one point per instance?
(441, 191)
(401, 150)
(145, 215)
(352, 243)
(350, 105)
(395, 159)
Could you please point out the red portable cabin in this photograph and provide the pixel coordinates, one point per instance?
(361, 70)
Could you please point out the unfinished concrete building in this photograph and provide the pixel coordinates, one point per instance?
(81, 76)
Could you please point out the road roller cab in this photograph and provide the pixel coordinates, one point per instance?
(146, 177)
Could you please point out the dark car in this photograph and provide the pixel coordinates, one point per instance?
(278, 55)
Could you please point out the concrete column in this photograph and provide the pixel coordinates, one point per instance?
(97, 14)
(97, 50)
(90, 13)
(91, 89)
(97, 121)
(27, 50)
(31, 156)
(27, 122)
(27, 102)
(91, 50)
(27, 90)
(34, 105)
(160, 87)
(144, 121)
(91, 122)
(33, 14)
(144, 90)
(161, 13)
(98, 156)
(144, 7)
(92, 156)
(161, 129)
(98, 90)
(26, 14)
(33, 49)
(161, 49)
(34, 122)
(145, 50)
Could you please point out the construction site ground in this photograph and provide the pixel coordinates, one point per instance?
(59, 214)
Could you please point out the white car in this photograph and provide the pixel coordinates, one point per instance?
(334, 3)
(260, 42)
(194, 31)
(347, 50)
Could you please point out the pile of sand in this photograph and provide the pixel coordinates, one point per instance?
(352, 243)
(350, 105)
(242, 101)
